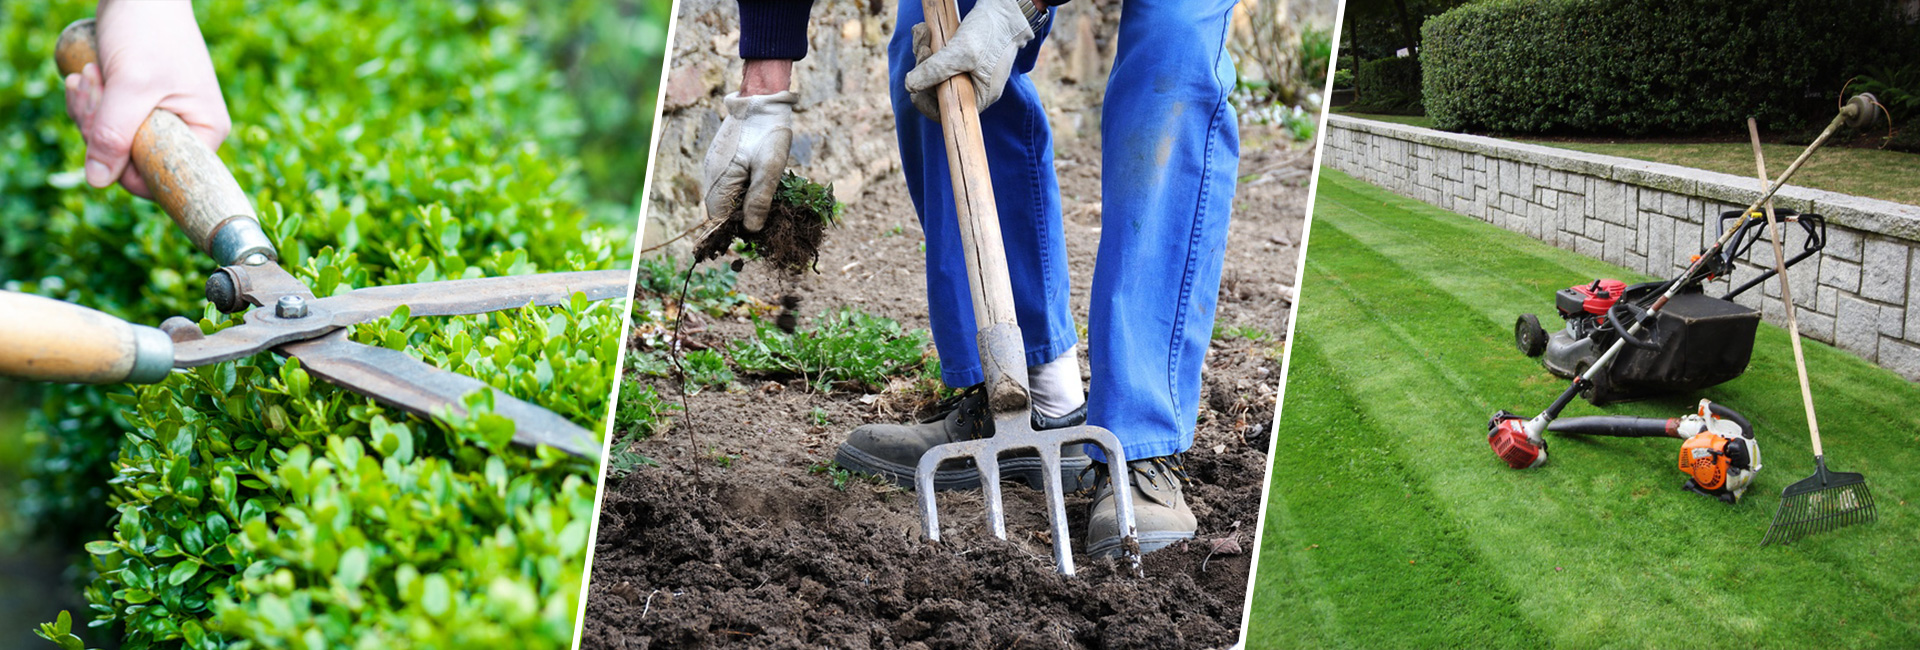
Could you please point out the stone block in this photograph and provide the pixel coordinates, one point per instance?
(1843, 243)
(1883, 269)
(1858, 329)
(1840, 274)
(1900, 357)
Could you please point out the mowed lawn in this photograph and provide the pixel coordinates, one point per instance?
(1390, 524)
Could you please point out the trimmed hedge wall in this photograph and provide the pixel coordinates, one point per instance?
(1390, 84)
(1649, 66)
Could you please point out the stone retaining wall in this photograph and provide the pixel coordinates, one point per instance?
(1653, 218)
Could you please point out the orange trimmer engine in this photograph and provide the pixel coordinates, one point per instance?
(1704, 458)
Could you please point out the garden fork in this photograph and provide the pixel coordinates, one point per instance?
(1002, 356)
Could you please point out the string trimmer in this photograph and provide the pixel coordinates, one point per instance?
(1719, 456)
(1521, 437)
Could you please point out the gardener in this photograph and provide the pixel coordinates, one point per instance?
(1170, 150)
(153, 56)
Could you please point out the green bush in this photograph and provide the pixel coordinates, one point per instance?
(1390, 85)
(245, 504)
(1650, 66)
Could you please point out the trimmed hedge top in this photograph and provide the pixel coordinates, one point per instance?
(1649, 66)
(246, 504)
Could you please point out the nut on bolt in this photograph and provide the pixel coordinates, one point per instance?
(290, 307)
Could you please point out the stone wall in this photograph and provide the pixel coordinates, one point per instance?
(1653, 218)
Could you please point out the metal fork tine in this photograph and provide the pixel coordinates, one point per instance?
(1057, 507)
(1016, 435)
(988, 460)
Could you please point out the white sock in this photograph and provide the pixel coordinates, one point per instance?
(1055, 385)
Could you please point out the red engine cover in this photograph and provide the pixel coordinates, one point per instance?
(1508, 437)
(1600, 295)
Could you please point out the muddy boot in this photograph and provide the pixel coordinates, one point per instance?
(1159, 507)
(892, 451)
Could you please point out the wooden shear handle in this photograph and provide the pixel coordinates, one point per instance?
(187, 179)
(42, 339)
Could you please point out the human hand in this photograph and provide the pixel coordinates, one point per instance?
(748, 155)
(150, 55)
(982, 48)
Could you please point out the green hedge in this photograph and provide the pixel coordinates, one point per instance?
(1650, 66)
(1389, 85)
(247, 504)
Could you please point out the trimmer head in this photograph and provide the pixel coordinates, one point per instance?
(1012, 434)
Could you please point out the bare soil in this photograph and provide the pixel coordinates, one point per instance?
(737, 538)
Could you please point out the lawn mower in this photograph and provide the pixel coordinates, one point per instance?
(1719, 456)
(1696, 342)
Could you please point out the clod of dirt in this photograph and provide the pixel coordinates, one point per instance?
(790, 240)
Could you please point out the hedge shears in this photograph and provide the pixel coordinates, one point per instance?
(51, 340)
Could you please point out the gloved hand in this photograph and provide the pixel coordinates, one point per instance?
(983, 48)
(150, 56)
(748, 155)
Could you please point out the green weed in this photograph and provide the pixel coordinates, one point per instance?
(818, 416)
(845, 347)
(704, 369)
(842, 478)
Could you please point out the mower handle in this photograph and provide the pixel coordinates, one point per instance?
(1623, 326)
(1816, 229)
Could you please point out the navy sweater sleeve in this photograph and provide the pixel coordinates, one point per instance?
(774, 29)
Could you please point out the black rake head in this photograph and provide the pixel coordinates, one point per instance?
(1820, 503)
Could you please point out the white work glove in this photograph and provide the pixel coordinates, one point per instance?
(983, 48)
(748, 156)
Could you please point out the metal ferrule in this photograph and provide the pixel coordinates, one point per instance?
(239, 239)
(152, 355)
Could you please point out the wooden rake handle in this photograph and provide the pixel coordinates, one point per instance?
(1002, 357)
(187, 179)
(42, 339)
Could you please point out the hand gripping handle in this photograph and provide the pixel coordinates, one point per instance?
(187, 179)
(42, 339)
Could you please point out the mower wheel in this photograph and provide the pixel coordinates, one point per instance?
(1529, 336)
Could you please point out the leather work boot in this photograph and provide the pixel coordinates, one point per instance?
(892, 451)
(1160, 509)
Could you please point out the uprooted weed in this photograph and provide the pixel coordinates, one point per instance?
(790, 239)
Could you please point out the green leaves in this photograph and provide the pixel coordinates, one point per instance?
(1647, 66)
(843, 347)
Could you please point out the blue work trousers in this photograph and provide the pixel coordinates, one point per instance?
(1170, 151)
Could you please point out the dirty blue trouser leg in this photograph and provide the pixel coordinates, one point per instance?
(1170, 151)
(1020, 156)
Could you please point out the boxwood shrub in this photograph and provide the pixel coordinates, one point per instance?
(1650, 66)
(247, 504)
